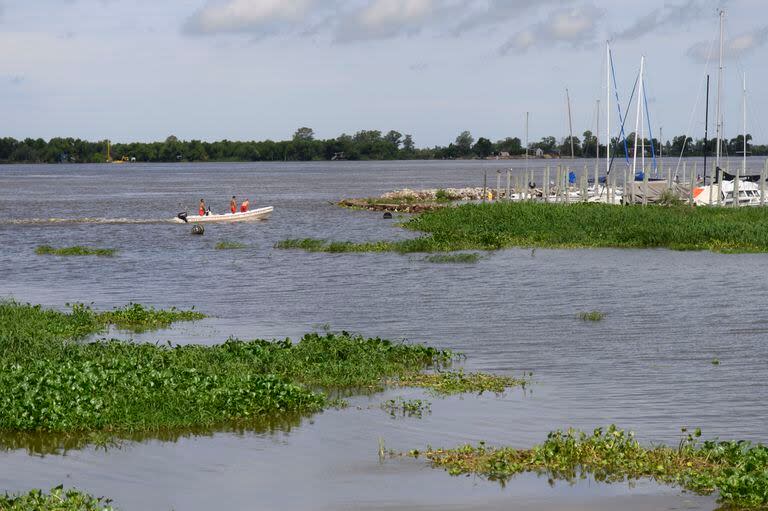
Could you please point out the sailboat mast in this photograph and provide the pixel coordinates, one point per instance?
(744, 120)
(706, 133)
(637, 121)
(718, 113)
(607, 109)
(570, 124)
(641, 99)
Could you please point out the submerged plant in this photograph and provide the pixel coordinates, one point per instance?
(737, 470)
(466, 258)
(76, 250)
(406, 407)
(592, 316)
(230, 245)
(459, 382)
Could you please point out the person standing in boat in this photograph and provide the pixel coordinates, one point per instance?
(244, 206)
(202, 210)
(233, 205)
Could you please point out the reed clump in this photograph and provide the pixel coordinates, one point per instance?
(406, 407)
(77, 250)
(57, 499)
(498, 225)
(735, 469)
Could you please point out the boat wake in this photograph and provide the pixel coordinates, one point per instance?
(51, 221)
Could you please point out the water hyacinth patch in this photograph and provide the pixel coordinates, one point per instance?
(737, 470)
(58, 499)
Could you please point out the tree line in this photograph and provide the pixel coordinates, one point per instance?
(363, 145)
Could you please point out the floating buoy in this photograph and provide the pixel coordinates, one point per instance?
(387, 215)
(198, 229)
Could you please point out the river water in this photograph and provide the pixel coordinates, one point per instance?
(647, 366)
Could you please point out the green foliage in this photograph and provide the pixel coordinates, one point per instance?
(51, 382)
(230, 245)
(736, 469)
(137, 318)
(497, 225)
(27, 329)
(406, 407)
(76, 250)
(459, 382)
(592, 316)
(465, 258)
(58, 499)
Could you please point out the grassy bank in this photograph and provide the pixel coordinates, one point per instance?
(736, 470)
(52, 381)
(58, 499)
(499, 225)
(77, 250)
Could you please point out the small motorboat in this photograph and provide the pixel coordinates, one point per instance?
(253, 214)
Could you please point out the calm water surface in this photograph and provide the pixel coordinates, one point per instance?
(647, 366)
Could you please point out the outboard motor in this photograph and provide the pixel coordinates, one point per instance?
(198, 229)
(183, 216)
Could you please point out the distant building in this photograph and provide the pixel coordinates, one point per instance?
(539, 153)
(504, 154)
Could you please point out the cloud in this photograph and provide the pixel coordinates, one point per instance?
(16, 80)
(383, 19)
(734, 47)
(253, 16)
(671, 15)
(573, 27)
(496, 11)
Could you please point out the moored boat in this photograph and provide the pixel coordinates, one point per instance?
(254, 214)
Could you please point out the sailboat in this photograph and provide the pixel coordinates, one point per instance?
(740, 189)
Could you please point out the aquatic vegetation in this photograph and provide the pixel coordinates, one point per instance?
(52, 381)
(497, 225)
(406, 407)
(592, 316)
(715, 362)
(308, 244)
(137, 318)
(465, 258)
(459, 382)
(30, 329)
(230, 245)
(76, 250)
(735, 469)
(58, 499)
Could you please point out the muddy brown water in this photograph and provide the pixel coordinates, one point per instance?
(646, 366)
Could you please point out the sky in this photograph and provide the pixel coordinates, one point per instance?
(142, 70)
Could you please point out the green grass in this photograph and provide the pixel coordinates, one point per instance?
(77, 250)
(230, 245)
(462, 258)
(591, 316)
(498, 225)
(58, 499)
(736, 470)
(52, 381)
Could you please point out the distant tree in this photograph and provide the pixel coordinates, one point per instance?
(304, 134)
(565, 147)
(171, 139)
(510, 145)
(483, 148)
(394, 138)
(464, 143)
(408, 144)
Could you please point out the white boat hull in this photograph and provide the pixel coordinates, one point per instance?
(254, 214)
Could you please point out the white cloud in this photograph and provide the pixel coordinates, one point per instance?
(574, 27)
(247, 15)
(381, 19)
(734, 47)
